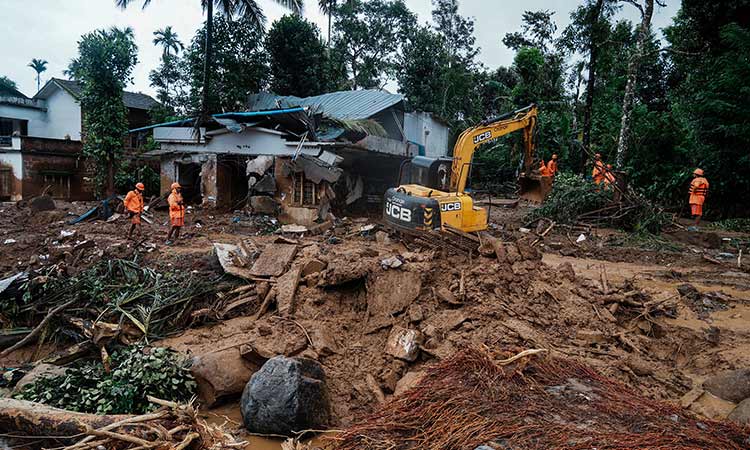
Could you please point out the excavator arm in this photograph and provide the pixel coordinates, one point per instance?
(523, 119)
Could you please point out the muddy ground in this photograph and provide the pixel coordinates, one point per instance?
(620, 304)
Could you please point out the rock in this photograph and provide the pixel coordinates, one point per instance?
(639, 366)
(449, 319)
(264, 204)
(41, 203)
(566, 271)
(444, 294)
(286, 395)
(39, 371)
(392, 291)
(711, 406)
(274, 260)
(286, 287)
(731, 385)
(408, 381)
(591, 337)
(403, 343)
(313, 266)
(741, 414)
(415, 313)
(221, 374)
(323, 343)
(484, 447)
(381, 237)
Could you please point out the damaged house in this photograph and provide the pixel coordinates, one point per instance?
(297, 157)
(40, 141)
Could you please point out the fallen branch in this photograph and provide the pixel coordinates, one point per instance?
(523, 354)
(35, 332)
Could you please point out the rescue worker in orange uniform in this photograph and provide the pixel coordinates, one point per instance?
(598, 173)
(134, 207)
(176, 213)
(609, 176)
(543, 171)
(698, 190)
(552, 165)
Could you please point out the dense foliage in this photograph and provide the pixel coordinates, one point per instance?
(136, 372)
(298, 60)
(103, 67)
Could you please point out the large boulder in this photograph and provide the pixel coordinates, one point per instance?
(741, 414)
(41, 203)
(286, 395)
(731, 385)
(221, 375)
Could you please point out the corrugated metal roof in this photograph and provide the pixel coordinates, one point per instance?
(342, 105)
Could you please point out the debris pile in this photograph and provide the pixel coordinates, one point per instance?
(476, 398)
(172, 425)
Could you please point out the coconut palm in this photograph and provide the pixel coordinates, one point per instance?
(39, 66)
(168, 40)
(327, 7)
(247, 9)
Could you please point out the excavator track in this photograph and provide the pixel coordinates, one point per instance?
(450, 239)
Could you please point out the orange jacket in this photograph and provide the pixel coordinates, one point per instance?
(543, 171)
(176, 208)
(598, 173)
(552, 167)
(698, 190)
(134, 202)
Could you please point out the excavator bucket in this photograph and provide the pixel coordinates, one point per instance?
(534, 188)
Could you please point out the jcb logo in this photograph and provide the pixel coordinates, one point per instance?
(482, 137)
(398, 212)
(453, 206)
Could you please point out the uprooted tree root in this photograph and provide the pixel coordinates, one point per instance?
(471, 399)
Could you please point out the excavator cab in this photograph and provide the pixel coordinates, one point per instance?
(433, 173)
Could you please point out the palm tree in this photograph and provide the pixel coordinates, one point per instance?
(247, 9)
(39, 66)
(168, 40)
(327, 7)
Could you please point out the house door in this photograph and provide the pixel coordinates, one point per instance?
(5, 183)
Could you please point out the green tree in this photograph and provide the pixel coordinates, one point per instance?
(328, 7)
(239, 64)
(246, 9)
(7, 83)
(422, 66)
(586, 33)
(368, 37)
(39, 66)
(538, 31)
(103, 67)
(297, 58)
(168, 40)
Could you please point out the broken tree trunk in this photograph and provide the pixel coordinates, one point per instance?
(591, 82)
(633, 66)
(23, 418)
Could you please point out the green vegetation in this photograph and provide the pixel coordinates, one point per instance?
(104, 65)
(136, 372)
(129, 175)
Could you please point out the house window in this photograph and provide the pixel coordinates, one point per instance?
(304, 191)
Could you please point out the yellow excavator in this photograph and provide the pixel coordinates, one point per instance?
(432, 192)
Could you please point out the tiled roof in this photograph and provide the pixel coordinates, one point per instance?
(134, 100)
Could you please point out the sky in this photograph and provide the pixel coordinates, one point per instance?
(50, 29)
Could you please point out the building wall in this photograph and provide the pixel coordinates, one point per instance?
(422, 128)
(63, 117)
(391, 124)
(36, 117)
(12, 160)
(56, 158)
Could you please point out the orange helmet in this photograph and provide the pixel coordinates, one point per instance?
(698, 172)
(554, 156)
(140, 186)
(175, 186)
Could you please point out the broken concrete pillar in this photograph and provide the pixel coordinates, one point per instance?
(208, 181)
